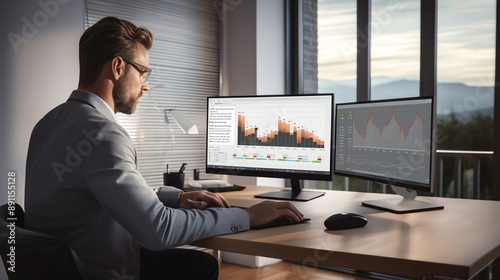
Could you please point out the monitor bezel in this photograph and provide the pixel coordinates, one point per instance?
(272, 173)
(418, 186)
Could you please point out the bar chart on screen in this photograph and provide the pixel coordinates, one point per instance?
(279, 131)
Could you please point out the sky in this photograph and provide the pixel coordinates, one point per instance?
(466, 40)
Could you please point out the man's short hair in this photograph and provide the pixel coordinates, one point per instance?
(106, 39)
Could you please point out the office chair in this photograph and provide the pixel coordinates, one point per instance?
(37, 255)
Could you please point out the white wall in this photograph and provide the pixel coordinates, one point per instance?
(239, 67)
(270, 51)
(253, 44)
(40, 69)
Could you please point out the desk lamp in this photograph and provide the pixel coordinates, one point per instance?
(187, 126)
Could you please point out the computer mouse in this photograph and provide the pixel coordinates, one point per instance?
(345, 221)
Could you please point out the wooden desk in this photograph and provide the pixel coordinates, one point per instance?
(458, 241)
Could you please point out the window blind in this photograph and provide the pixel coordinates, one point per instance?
(185, 63)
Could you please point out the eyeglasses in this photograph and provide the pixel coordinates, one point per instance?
(143, 70)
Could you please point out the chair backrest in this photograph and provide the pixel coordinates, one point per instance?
(34, 255)
(3, 271)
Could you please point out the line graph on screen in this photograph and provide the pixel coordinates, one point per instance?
(398, 130)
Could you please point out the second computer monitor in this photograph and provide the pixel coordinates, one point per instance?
(391, 142)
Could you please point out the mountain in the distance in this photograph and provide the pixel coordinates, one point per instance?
(460, 98)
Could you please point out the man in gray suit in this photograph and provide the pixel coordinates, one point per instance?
(82, 183)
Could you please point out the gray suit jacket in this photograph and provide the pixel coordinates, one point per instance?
(82, 185)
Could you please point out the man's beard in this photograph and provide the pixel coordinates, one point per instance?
(122, 103)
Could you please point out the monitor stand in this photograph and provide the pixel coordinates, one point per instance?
(404, 204)
(296, 193)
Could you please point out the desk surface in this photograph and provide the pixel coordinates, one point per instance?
(458, 241)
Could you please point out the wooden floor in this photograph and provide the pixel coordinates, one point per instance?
(278, 271)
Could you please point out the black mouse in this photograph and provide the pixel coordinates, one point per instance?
(345, 221)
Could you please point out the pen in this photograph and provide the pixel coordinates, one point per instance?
(183, 167)
(168, 170)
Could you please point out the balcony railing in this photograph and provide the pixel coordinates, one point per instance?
(475, 160)
(459, 174)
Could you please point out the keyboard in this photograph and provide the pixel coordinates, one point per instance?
(212, 186)
(279, 222)
(215, 188)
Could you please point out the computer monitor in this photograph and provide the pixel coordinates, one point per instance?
(281, 136)
(392, 142)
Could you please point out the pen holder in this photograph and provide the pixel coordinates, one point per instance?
(174, 179)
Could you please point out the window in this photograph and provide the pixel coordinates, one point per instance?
(465, 73)
(395, 49)
(337, 49)
(465, 76)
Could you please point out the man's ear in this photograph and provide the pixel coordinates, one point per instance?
(117, 67)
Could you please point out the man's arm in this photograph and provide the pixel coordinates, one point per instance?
(173, 197)
(112, 178)
(169, 196)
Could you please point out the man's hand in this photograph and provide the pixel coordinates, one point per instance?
(201, 200)
(267, 211)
